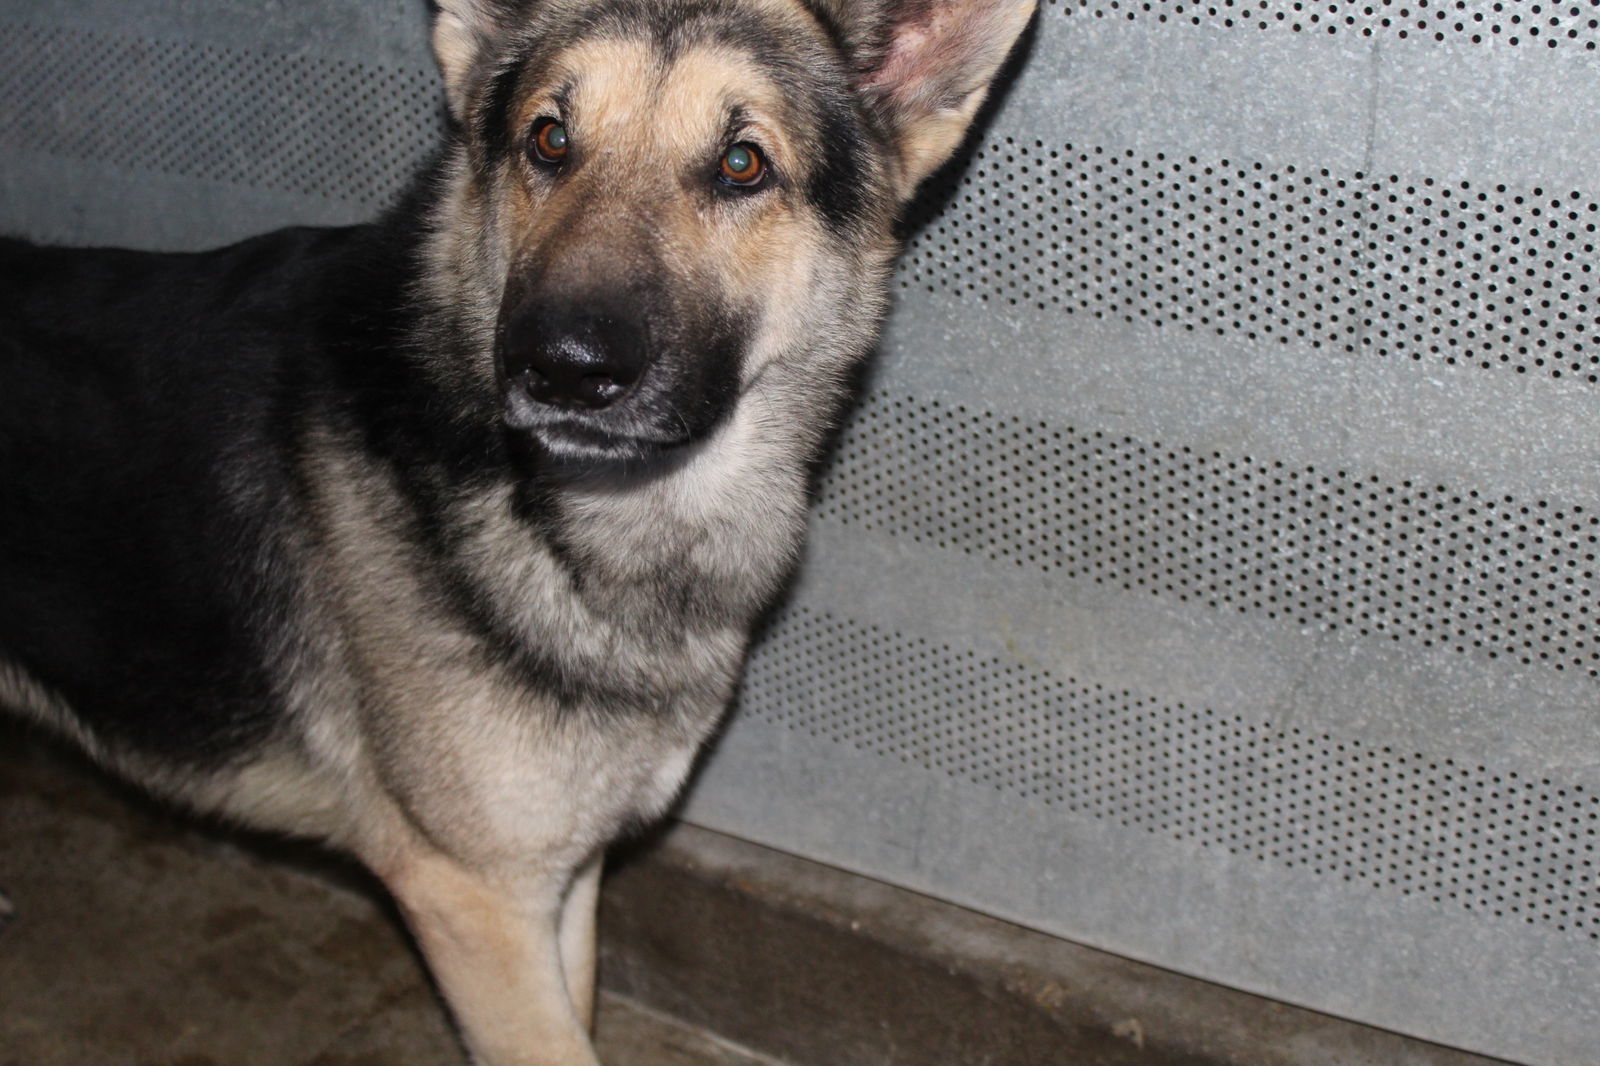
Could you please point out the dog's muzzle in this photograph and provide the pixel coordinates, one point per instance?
(598, 378)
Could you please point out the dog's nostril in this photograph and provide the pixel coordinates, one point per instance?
(589, 391)
(598, 390)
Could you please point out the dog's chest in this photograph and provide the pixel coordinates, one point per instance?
(556, 685)
(640, 596)
(529, 787)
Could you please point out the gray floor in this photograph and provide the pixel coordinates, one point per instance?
(140, 941)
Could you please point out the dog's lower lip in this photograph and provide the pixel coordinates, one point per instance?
(570, 435)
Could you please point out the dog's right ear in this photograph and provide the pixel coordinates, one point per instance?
(460, 31)
(923, 67)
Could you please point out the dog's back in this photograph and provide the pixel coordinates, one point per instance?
(146, 479)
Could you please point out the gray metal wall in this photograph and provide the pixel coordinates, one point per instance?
(1210, 573)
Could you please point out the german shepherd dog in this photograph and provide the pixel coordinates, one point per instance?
(440, 539)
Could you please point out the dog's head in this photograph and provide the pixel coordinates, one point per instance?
(654, 201)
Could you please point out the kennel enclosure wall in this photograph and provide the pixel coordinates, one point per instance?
(1209, 572)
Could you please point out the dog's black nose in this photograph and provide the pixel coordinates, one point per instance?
(573, 359)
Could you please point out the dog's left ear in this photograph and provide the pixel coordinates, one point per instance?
(929, 69)
(460, 30)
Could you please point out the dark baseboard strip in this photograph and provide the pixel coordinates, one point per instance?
(818, 967)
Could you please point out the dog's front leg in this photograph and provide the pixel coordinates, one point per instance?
(494, 944)
(578, 939)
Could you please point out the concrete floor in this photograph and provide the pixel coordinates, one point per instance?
(140, 940)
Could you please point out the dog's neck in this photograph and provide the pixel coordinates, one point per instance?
(727, 517)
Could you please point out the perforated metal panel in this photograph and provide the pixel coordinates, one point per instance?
(1487, 840)
(1419, 564)
(185, 124)
(1552, 25)
(1466, 275)
(1210, 573)
(296, 124)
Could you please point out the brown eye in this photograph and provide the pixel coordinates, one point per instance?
(549, 141)
(742, 165)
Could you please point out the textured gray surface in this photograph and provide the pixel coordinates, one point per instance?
(182, 125)
(1211, 573)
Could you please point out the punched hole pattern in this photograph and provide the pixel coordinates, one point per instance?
(1569, 24)
(1448, 272)
(1323, 549)
(1489, 840)
(296, 124)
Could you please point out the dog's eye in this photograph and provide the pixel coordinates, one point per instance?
(549, 141)
(742, 166)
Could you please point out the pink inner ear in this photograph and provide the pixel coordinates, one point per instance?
(932, 42)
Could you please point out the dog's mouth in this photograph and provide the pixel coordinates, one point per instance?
(673, 405)
(611, 435)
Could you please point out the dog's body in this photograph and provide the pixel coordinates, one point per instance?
(440, 539)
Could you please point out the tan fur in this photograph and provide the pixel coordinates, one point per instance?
(579, 950)
(494, 947)
(459, 35)
(23, 693)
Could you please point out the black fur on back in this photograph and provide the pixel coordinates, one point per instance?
(149, 488)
